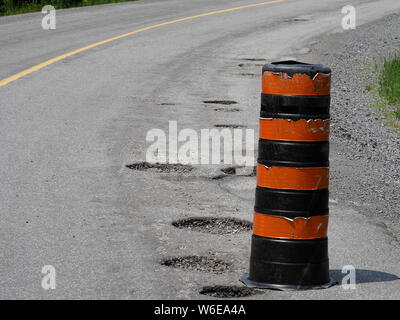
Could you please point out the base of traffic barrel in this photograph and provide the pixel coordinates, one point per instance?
(284, 287)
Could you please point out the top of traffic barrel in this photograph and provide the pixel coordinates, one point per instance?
(291, 67)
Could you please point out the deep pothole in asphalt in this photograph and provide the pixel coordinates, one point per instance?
(230, 126)
(225, 102)
(214, 225)
(228, 291)
(160, 167)
(198, 263)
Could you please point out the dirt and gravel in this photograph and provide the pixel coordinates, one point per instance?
(198, 263)
(160, 167)
(229, 291)
(214, 225)
(365, 153)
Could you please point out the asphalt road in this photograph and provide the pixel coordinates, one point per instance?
(68, 130)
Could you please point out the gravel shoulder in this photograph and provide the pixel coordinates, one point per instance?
(365, 153)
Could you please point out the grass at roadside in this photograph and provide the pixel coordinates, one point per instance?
(389, 84)
(386, 90)
(11, 7)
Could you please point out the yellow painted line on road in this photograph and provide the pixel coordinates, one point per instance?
(69, 54)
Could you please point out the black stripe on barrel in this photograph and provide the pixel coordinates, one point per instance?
(292, 203)
(293, 154)
(283, 262)
(295, 107)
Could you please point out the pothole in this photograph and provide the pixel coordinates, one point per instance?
(231, 126)
(301, 19)
(297, 19)
(160, 167)
(240, 171)
(214, 225)
(229, 170)
(229, 291)
(227, 110)
(241, 65)
(167, 104)
(198, 263)
(218, 177)
(226, 102)
(254, 59)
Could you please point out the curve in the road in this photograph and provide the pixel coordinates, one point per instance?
(99, 43)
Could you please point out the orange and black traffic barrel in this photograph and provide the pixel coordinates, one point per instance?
(289, 248)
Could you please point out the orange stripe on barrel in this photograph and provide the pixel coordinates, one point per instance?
(292, 178)
(284, 228)
(298, 84)
(290, 130)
